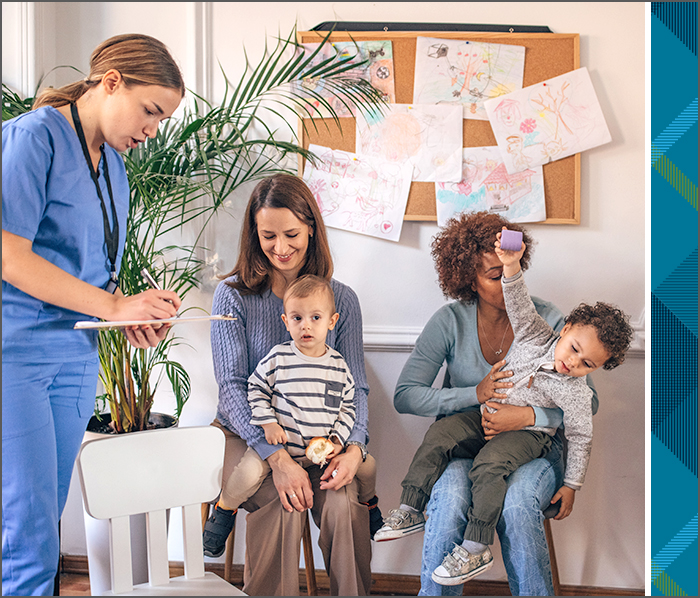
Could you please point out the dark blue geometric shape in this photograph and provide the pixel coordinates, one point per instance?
(679, 292)
(681, 18)
(674, 384)
(678, 431)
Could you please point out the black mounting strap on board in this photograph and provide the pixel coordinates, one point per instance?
(380, 26)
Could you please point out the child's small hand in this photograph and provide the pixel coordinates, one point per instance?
(274, 433)
(567, 496)
(509, 259)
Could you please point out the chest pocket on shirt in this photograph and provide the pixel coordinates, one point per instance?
(334, 394)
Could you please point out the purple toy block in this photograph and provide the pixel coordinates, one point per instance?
(511, 240)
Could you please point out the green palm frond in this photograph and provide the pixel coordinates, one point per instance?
(185, 174)
(13, 105)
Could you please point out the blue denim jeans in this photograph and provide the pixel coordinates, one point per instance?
(520, 529)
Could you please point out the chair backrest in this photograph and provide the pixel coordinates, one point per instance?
(150, 472)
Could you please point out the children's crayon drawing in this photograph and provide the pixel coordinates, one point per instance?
(361, 194)
(465, 73)
(427, 137)
(548, 121)
(377, 68)
(487, 186)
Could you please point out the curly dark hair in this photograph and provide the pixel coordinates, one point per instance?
(458, 249)
(612, 326)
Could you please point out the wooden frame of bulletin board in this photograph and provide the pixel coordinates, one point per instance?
(547, 55)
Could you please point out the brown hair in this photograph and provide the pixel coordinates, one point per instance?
(140, 59)
(459, 247)
(308, 285)
(253, 270)
(611, 325)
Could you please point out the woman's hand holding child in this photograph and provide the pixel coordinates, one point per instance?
(345, 464)
(567, 496)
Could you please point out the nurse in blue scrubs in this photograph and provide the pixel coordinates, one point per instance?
(65, 199)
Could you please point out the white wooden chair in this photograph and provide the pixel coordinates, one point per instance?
(150, 472)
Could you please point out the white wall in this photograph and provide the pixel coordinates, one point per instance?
(602, 543)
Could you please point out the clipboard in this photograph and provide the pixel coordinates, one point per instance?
(90, 325)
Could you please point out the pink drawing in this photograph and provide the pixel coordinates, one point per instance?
(563, 110)
(368, 197)
(528, 125)
(503, 189)
(508, 111)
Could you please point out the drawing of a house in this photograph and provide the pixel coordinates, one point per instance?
(503, 189)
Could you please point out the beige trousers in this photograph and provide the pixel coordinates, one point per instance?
(251, 471)
(273, 535)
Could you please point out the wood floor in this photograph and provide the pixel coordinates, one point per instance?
(74, 581)
(78, 584)
(74, 584)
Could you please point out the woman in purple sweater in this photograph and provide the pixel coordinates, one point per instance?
(284, 237)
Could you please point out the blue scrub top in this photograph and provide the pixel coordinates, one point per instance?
(49, 198)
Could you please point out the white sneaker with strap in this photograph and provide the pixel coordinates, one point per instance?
(400, 523)
(461, 566)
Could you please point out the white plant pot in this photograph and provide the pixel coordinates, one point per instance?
(97, 531)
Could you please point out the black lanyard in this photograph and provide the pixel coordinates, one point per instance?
(111, 234)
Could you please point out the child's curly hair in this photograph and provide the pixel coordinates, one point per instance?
(458, 249)
(611, 325)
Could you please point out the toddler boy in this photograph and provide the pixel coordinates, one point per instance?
(300, 390)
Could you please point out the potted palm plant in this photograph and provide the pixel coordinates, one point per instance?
(183, 176)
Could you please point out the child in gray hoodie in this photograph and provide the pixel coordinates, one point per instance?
(549, 370)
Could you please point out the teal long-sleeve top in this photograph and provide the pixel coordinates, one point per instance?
(451, 337)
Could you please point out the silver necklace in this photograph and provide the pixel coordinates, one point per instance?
(486, 338)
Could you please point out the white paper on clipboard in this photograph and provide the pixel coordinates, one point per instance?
(90, 325)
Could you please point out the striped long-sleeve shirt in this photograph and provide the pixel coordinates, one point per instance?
(307, 396)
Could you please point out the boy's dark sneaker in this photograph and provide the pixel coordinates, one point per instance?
(375, 516)
(217, 530)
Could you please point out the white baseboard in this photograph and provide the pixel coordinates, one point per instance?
(402, 339)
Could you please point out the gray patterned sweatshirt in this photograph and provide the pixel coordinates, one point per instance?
(536, 383)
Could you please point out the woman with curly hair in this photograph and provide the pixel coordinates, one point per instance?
(548, 369)
(472, 335)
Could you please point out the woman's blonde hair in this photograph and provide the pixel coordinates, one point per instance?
(140, 59)
(253, 270)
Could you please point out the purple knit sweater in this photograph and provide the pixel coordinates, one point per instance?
(238, 346)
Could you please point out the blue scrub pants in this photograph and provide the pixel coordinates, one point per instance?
(45, 411)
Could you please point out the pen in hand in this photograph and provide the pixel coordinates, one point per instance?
(153, 284)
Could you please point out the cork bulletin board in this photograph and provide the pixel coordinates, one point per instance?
(547, 55)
